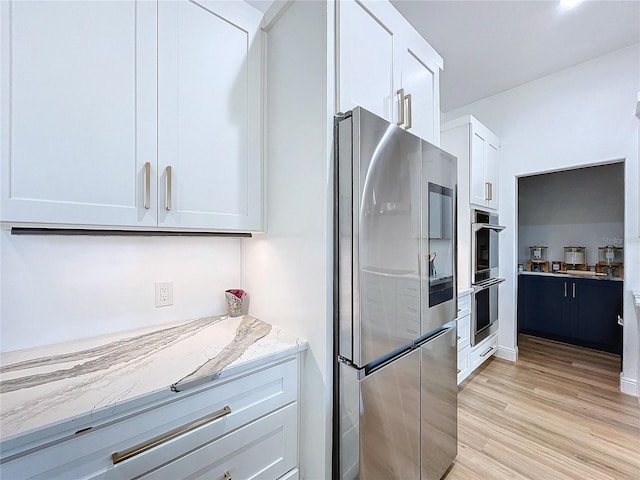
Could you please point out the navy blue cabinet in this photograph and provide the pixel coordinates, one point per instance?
(580, 311)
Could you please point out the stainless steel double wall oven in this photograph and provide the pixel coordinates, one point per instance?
(484, 253)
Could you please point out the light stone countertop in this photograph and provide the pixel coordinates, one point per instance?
(95, 377)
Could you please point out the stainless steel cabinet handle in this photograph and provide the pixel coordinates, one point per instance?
(400, 94)
(459, 370)
(147, 185)
(227, 475)
(123, 455)
(167, 205)
(565, 289)
(487, 352)
(488, 187)
(574, 290)
(458, 337)
(409, 116)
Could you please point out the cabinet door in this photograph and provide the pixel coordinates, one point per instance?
(209, 68)
(78, 112)
(542, 305)
(365, 58)
(491, 174)
(597, 304)
(477, 192)
(420, 79)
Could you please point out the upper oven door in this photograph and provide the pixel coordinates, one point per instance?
(484, 241)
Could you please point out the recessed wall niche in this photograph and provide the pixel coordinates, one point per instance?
(579, 207)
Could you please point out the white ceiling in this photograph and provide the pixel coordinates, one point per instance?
(492, 46)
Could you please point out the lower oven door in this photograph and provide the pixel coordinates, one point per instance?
(484, 312)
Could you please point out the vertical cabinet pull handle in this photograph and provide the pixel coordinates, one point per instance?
(409, 116)
(574, 290)
(227, 475)
(488, 188)
(169, 189)
(565, 289)
(147, 185)
(400, 94)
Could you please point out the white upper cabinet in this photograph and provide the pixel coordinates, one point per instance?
(134, 114)
(484, 167)
(420, 81)
(477, 150)
(366, 72)
(209, 115)
(78, 111)
(387, 68)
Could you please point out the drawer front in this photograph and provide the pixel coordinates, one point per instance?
(464, 332)
(464, 305)
(463, 364)
(483, 351)
(88, 454)
(264, 449)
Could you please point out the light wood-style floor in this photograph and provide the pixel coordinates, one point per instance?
(555, 414)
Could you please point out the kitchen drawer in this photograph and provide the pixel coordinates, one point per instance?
(464, 305)
(464, 331)
(463, 364)
(483, 351)
(87, 454)
(264, 449)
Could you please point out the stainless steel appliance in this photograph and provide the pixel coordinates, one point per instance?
(484, 245)
(395, 300)
(484, 260)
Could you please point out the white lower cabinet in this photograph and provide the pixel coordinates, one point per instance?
(242, 427)
(483, 351)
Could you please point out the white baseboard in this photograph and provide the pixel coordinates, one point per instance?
(505, 353)
(628, 386)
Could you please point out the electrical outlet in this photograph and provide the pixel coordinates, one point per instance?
(164, 294)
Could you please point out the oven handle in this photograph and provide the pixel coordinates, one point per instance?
(488, 284)
(489, 226)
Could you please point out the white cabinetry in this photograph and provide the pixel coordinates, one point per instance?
(245, 426)
(387, 68)
(99, 98)
(477, 150)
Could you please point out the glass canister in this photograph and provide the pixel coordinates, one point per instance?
(610, 255)
(538, 253)
(575, 255)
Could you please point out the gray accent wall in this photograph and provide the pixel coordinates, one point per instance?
(583, 206)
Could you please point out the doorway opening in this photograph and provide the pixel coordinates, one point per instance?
(571, 257)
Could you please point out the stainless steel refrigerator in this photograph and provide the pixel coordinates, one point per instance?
(395, 303)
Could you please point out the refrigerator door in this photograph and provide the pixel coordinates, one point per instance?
(379, 222)
(439, 404)
(439, 299)
(380, 421)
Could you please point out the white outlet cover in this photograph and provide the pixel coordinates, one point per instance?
(164, 294)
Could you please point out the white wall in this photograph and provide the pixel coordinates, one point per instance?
(581, 116)
(58, 288)
(583, 206)
(287, 270)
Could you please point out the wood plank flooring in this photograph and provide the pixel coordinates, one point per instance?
(555, 414)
